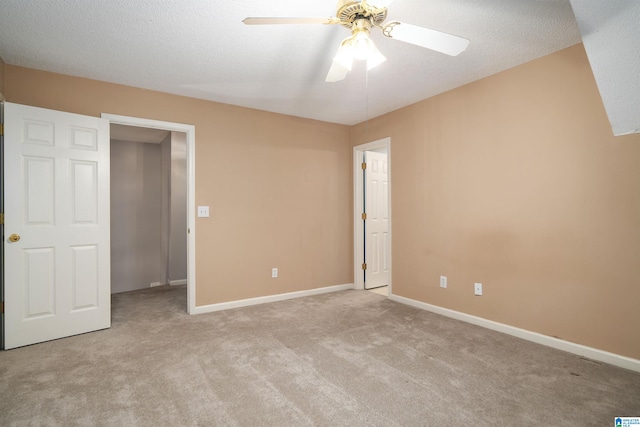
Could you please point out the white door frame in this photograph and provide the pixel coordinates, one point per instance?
(358, 227)
(190, 130)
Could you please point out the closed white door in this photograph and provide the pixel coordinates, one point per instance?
(56, 242)
(376, 204)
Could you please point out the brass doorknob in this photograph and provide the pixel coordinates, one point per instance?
(14, 238)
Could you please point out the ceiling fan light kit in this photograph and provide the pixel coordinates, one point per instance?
(359, 46)
(360, 16)
(375, 57)
(361, 42)
(344, 57)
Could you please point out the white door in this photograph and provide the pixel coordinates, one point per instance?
(376, 204)
(56, 242)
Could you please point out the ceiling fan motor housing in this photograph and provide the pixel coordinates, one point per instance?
(349, 11)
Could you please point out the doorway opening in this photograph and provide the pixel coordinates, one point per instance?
(372, 215)
(170, 255)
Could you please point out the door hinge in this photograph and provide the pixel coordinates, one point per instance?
(364, 216)
(364, 165)
(1, 218)
(1, 129)
(364, 265)
(2, 307)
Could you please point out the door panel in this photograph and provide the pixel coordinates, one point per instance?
(39, 282)
(57, 275)
(39, 191)
(377, 242)
(84, 277)
(84, 184)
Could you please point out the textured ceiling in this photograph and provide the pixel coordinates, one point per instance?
(611, 36)
(201, 48)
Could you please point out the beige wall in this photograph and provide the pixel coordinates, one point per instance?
(516, 181)
(279, 187)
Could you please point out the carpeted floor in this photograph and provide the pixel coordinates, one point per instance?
(346, 358)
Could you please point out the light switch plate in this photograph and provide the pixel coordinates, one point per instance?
(203, 211)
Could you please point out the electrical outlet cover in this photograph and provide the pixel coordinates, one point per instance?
(477, 288)
(443, 281)
(203, 211)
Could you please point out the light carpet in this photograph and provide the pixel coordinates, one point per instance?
(346, 358)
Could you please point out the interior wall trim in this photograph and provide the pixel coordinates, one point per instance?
(190, 130)
(358, 208)
(578, 349)
(269, 298)
(177, 282)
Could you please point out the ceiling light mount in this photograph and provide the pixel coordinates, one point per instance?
(361, 25)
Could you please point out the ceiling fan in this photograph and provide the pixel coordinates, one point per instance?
(362, 15)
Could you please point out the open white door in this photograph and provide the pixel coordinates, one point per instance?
(377, 242)
(56, 243)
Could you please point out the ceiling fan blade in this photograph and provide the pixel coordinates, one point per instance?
(424, 37)
(336, 73)
(278, 21)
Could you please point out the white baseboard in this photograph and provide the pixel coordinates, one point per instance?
(269, 298)
(580, 350)
(154, 284)
(177, 282)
